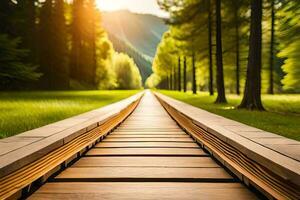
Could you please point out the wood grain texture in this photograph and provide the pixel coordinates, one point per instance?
(272, 172)
(144, 191)
(152, 139)
(141, 161)
(146, 151)
(12, 183)
(144, 173)
(148, 136)
(148, 144)
(147, 157)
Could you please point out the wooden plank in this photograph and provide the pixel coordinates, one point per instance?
(147, 136)
(146, 151)
(241, 127)
(257, 134)
(148, 129)
(16, 159)
(144, 173)
(13, 143)
(142, 128)
(152, 139)
(275, 141)
(143, 191)
(292, 150)
(148, 133)
(146, 162)
(148, 144)
(151, 124)
(146, 120)
(159, 122)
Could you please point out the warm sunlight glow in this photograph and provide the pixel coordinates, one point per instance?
(138, 6)
(109, 5)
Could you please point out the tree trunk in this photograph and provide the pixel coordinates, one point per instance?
(210, 84)
(271, 87)
(93, 39)
(60, 51)
(237, 40)
(94, 54)
(179, 74)
(175, 79)
(252, 93)
(76, 37)
(194, 74)
(171, 80)
(184, 75)
(167, 83)
(28, 29)
(220, 76)
(46, 45)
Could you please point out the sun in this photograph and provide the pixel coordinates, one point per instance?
(108, 5)
(137, 6)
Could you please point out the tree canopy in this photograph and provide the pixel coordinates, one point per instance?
(58, 44)
(127, 73)
(196, 27)
(12, 68)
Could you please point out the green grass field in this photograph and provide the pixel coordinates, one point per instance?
(22, 111)
(282, 116)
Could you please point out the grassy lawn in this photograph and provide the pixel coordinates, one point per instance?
(282, 116)
(22, 111)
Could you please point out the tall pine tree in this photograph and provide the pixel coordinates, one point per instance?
(60, 48)
(84, 32)
(46, 45)
(219, 56)
(252, 93)
(27, 27)
(53, 49)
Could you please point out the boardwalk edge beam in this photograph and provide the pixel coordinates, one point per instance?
(254, 170)
(21, 173)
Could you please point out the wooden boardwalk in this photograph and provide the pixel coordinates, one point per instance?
(147, 157)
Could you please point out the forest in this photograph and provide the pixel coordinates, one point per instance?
(233, 58)
(245, 47)
(59, 45)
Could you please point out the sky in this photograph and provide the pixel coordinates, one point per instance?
(137, 6)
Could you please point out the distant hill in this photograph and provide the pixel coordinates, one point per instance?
(144, 64)
(136, 34)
